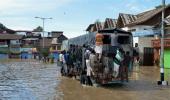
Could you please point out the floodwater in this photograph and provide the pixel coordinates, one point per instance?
(29, 80)
(32, 80)
(141, 86)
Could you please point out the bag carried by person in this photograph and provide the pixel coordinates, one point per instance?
(87, 54)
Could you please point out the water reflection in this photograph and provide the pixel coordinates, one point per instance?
(28, 81)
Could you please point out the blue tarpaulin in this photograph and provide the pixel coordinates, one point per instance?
(145, 33)
(3, 56)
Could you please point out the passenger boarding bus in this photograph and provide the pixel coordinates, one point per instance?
(116, 43)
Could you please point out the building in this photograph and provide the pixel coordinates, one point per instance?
(29, 43)
(57, 39)
(157, 45)
(145, 27)
(10, 45)
(56, 43)
(95, 27)
(4, 29)
(109, 23)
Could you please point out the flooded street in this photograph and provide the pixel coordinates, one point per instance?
(142, 86)
(29, 80)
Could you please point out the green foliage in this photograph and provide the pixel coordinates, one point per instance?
(38, 29)
(97, 21)
(160, 6)
(2, 27)
(44, 52)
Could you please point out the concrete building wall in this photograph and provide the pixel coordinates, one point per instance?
(144, 42)
(141, 27)
(136, 29)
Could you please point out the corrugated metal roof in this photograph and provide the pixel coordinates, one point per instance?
(114, 23)
(127, 18)
(10, 36)
(131, 20)
(98, 25)
(102, 25)
(142, 17)
(110, 23)
(90, 27)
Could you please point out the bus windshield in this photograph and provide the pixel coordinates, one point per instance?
(123, 39)
(107, 39)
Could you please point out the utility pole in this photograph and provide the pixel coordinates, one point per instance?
(162, 81)
(43, 19)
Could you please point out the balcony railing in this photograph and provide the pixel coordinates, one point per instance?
(3, 43)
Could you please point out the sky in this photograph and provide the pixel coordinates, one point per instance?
(70, 16)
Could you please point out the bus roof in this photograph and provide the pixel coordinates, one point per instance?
(115, 30)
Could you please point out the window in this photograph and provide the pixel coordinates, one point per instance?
(123, 39)
(54, 47)
(106, 39)
(58, 47)
(132, 30)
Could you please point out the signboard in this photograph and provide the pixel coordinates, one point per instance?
(26, 49)
(157, 43)
(142, 33)
(29, 50)
(15, 50)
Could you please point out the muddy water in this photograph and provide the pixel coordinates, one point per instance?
(142, 86)
(29, 80)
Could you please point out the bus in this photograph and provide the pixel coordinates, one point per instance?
(107, 70)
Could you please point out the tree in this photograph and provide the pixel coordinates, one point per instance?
(2, 27)
(43, 51)
(5, 29)
(38, 29)
(97, 21)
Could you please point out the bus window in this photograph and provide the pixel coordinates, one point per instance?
(106, 39)
(123, 39)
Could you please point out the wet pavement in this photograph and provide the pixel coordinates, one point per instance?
(29, 80)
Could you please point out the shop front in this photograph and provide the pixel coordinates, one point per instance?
(26, 53)
(157, 45)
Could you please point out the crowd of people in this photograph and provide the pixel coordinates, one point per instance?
(71, 60)
(80, 61)
(76, 62)
(88, 62)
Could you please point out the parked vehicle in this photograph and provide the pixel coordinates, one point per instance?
(115, 43)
